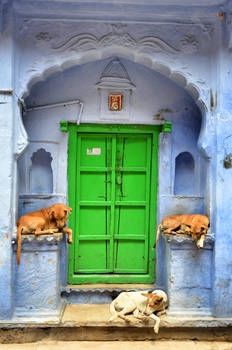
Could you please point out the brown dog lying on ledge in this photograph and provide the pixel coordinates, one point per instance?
(195, 225)
(44, 221)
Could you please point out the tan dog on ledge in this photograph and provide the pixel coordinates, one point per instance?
(194, 225)
(44, 221)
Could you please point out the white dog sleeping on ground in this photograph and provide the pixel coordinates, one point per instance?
(141, 304)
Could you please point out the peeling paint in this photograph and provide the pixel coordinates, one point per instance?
(221, 15)
(197, 299)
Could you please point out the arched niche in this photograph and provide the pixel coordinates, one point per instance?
(184, 182)
(40, 174)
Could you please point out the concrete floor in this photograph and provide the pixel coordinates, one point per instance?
(120, 345)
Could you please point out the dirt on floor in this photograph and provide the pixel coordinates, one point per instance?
(120, 345)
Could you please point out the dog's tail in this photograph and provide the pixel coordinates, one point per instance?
(157, 234)
(113, 312)
(19, 239)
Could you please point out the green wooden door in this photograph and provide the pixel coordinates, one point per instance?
(112, 190)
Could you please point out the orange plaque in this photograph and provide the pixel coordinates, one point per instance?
(115, 102)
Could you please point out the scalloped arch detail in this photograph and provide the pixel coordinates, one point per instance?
(42, 69)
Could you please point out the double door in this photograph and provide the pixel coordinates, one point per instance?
(113, 193)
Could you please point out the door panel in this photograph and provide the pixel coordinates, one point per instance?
(94, 150)
(129, 256)
(131, 221)
(99, 223)
(87, 250)
(132, 150)
(133, 186)
(93, 186)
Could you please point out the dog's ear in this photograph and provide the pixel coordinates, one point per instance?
(148, 295)
(51, 214)
(68, 209)
(157, 299)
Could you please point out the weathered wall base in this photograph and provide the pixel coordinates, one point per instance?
(188, 275)
(37, 278)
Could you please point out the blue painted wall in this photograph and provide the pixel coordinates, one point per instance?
(181, 71)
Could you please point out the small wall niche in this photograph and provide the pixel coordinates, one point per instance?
(41, 175)
(184, 182)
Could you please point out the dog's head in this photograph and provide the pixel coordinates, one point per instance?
(59, 213)
(201, 238)
(200, 235)
(156, 301)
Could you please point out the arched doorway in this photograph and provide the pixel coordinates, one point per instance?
(154, 99)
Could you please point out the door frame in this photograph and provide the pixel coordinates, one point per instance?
(154, 131)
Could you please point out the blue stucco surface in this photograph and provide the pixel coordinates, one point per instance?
(181, 72)
(37, 278)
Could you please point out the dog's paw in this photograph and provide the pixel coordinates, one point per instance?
(112, 318)
(156, 329)
(161, 313)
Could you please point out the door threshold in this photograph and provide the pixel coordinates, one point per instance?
(120, 286)
(99, 293)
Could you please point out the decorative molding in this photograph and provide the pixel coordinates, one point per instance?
(115, 69)
(133, 10)
(22, 143)
(115, 76)
(189, 44)
(45, 36)
(115, 80)
(90, 35)
(119, 37)
(86, 41)
(22, 139)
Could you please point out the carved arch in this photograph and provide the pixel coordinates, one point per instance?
(43, 68)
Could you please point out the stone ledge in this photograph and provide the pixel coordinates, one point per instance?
(46, 238)
(186, 242)
(90, 315)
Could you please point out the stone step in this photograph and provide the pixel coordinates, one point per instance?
(91, 323)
